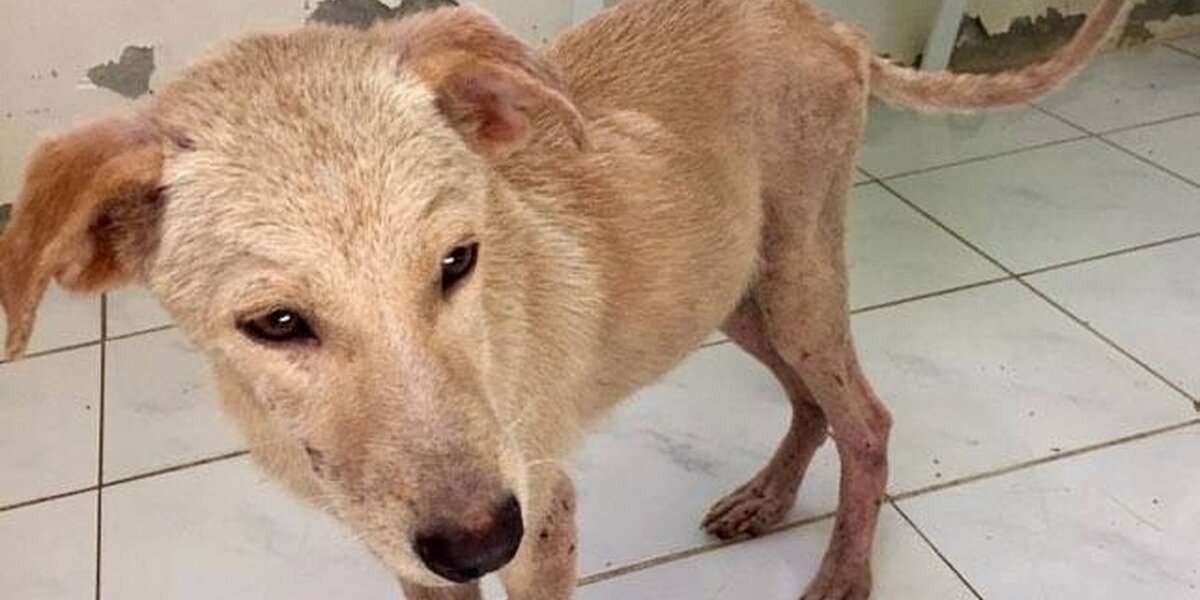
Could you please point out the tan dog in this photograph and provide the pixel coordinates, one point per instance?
(423, 259)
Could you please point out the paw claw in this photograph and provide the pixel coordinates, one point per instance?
(748, 511)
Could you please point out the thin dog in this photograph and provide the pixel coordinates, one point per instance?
(424, 258)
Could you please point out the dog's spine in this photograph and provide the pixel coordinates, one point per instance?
(946, 91)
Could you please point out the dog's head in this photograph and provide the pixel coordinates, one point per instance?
(320, 211)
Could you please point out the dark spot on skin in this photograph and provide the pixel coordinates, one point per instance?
(129, 76)
(361, 14)
(571, 550)
(544, 535)
(5, 213)
(181, 140)
(839, 380)
(54, 73)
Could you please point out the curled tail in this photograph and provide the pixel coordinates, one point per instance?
(965, 92)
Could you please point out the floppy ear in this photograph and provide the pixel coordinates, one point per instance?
(490, 86)
(85, 217)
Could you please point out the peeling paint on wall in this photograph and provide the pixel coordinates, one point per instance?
(129, 76)
(363, 13)
(1030, 39)
(1156, 10)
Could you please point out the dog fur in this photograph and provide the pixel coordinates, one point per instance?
(670, 168)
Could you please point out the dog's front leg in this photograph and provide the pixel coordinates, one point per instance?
(413, 591)
(544, 568)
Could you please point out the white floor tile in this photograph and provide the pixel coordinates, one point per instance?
(1120, 523)
(896, 253)
(48, 551)
(778, 567)
(221, 531)
(901, 140)
(49, 421)
(63, 319)
(160, 406)
(1148, 302)
(1130, 87)
(1057, 204)
(647, 479)
(1174, 144)
(992, 377)
(133, 309)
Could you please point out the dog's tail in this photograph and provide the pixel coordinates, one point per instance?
(946, 91)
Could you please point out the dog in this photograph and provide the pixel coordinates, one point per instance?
(424, 258)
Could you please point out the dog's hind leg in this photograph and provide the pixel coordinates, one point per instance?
(767, 498)
(803, 296)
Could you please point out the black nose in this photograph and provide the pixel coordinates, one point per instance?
(463, 553)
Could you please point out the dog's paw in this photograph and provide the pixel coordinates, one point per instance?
(748, 511)
(840, 582)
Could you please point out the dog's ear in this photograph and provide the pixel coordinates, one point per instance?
(490, 86)
(86, 217)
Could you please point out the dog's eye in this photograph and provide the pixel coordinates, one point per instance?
(457, 264)
(280, 325)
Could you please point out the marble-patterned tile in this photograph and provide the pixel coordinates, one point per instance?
(1174, 144)
(133, 309)
(994, 376)
(778, 567)
(900, 140)
(1132, 86)
(895, 253)
(49, 424)
(160, 406)
(222, 531)
(48, 550)
(646, 479)
(1057, 204)
(1148, 302)
(1123, 522)
(63, 319)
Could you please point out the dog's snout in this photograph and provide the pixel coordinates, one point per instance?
(473, 547)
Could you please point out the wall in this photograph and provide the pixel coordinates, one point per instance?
(47, 50)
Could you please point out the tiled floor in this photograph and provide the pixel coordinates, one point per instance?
(1028, 295)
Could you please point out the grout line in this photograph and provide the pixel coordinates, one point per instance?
(975, 159)
(1183, 51)
(1018, 278)
(96, 342)
(1161, 121)
(45, 499)
(936, 550)
(100, 438)
(1147, 161)
(1120, 441)
(125, 336)
(1111, 343)
(175, 468)
(58, 350)
(1118, 252)
(670, 557)
(1100, 137)
(928, 295)
(128, 479)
